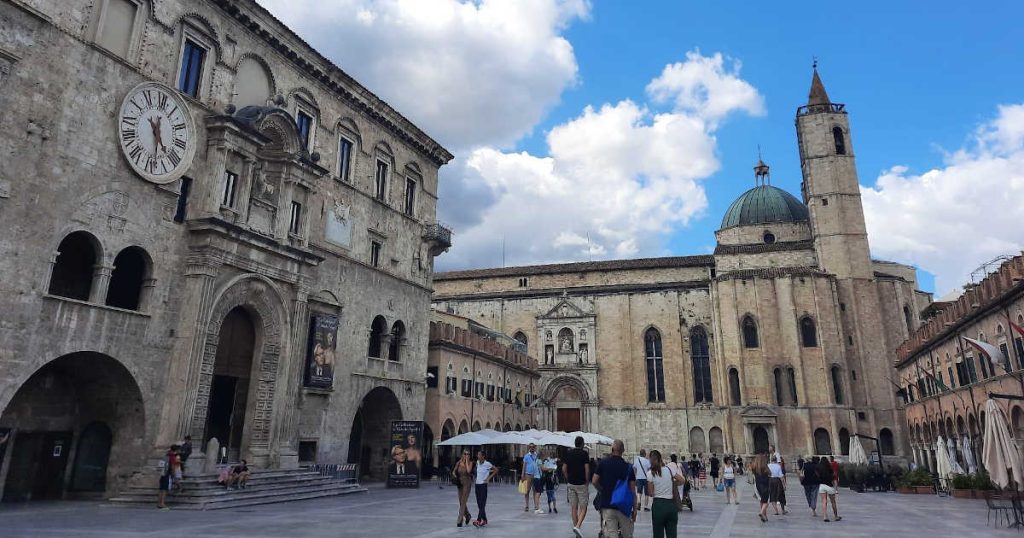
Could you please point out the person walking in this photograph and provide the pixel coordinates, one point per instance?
(612, 470)
(485, 471)
(661, 486)
(809, 480)
(713, 468)
(739, 465)
(464, 477)
(641, 469)
(576, 468)
(532, 473)
(776, 486)
(702, 473)
(729, 480)
(694, 466)
(762, 479)
(827, 488)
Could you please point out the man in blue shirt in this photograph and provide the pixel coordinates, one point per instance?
(610, 472)
(532, 473)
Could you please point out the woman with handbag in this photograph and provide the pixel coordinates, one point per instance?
(662, 486)
(462, 476)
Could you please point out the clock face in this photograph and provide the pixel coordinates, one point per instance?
(156, 133)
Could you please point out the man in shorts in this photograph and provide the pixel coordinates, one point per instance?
(713, 465)
(641, 470)
(610, 472)
(532, 473)
(576, 469)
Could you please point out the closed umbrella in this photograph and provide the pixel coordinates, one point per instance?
(953, 463)
(942, 466)
(857, 454)
(999, 453)
(965, 445)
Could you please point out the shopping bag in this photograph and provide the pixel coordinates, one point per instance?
(720, 487)
(524, 487)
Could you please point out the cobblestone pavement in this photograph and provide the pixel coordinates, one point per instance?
(430, 512)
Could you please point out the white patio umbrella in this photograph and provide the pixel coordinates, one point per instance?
(965, 446)
(857, 454)
(468, 439)
(514, 438)
(942, 466)
(557, 438)
(592, 438)
(999, 453)
(953, 463)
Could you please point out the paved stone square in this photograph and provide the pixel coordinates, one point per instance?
(430, 512)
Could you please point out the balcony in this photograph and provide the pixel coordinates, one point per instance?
(439, 237)
(832, 108)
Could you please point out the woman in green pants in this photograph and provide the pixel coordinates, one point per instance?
(661, 487)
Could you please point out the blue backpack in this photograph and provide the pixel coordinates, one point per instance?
(623, 498)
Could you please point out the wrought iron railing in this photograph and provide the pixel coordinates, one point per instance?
(438, 233)
(835, 108)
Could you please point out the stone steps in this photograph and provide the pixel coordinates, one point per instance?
(202, 492)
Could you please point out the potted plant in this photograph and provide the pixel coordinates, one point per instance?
(981, 482)
(963, 486)
(919, 481)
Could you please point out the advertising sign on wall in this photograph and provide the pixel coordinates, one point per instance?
(323, 343)
(406, 454)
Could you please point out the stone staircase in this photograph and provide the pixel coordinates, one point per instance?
(202, 492)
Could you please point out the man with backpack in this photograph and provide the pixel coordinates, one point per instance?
(616, 483)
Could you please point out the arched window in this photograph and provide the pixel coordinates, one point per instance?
(844, 441)
(885, 440)
(655, 369)
(909, 319)
(749, 332)
(378, 329)
(697, 443)
(791, 383)
(808, 332)
(130, 268)
(840, 140)
(779, 394)
(701, 365)
(397, 338)
(77, 257)
(837, 385)
(734, 387)
(521, 338)
(450, 383)
(822, 442)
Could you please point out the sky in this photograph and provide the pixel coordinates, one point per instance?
(589, 130)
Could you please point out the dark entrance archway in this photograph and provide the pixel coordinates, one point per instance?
(371, 431)
(760, 440)
(84, 408)
(229, 389)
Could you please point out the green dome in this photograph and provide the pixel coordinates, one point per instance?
(764, 204)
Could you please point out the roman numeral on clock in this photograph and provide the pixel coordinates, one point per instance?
(174, 158)
(162, 101)
(130, 121)
(128, 135)
(135, 154)
(179, 143)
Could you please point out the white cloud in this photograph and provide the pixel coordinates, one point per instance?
(617, 180)
(468, 72)
(950, 219)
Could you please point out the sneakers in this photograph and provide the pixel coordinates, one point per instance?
(577, 532)
(538, 511)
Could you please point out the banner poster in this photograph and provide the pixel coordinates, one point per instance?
(323, 343)
(406, 456)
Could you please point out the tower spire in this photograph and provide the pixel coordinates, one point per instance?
(818, 95)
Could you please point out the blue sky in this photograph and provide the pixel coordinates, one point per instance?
(923, 83)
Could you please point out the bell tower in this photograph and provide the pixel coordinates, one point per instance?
(830, 187)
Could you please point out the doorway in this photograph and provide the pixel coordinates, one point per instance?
(568, 420)
(91, 458)
(760, 440)
(229, 389)
(371, 431)
(37, 466)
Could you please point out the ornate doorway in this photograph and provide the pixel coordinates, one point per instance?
(229, 389)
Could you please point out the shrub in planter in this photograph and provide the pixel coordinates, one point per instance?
(962, 486)
(981, 481)
(921, 478)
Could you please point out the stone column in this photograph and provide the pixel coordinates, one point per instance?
(100, 283)
(285, 440)
(146, 294)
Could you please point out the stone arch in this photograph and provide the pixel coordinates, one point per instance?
(58, 404)
(697, 442)
(553, 387)
(260, 298)
(369, 440)
(304, 94)
(749, 333)
(74, 266)
(132, 271)
(208, 30)
(716, 441)
(886, 442)
(280, 128)
(822, 442)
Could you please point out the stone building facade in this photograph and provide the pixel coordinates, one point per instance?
(476, 379)
(211, 230)
(945, 379)
(783, 336)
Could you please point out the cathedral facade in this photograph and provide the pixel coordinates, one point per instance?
(210, 230)
(785, 336)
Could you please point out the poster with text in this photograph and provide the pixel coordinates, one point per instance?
(405, 453)
(320, 356)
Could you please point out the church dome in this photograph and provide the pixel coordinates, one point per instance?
(764, 204)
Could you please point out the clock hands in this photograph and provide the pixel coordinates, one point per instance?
(158, 141)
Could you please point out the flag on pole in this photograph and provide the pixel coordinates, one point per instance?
(938, 382)
(994, 355)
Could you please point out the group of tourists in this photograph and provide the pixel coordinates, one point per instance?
(173, 472)
(819, 476)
